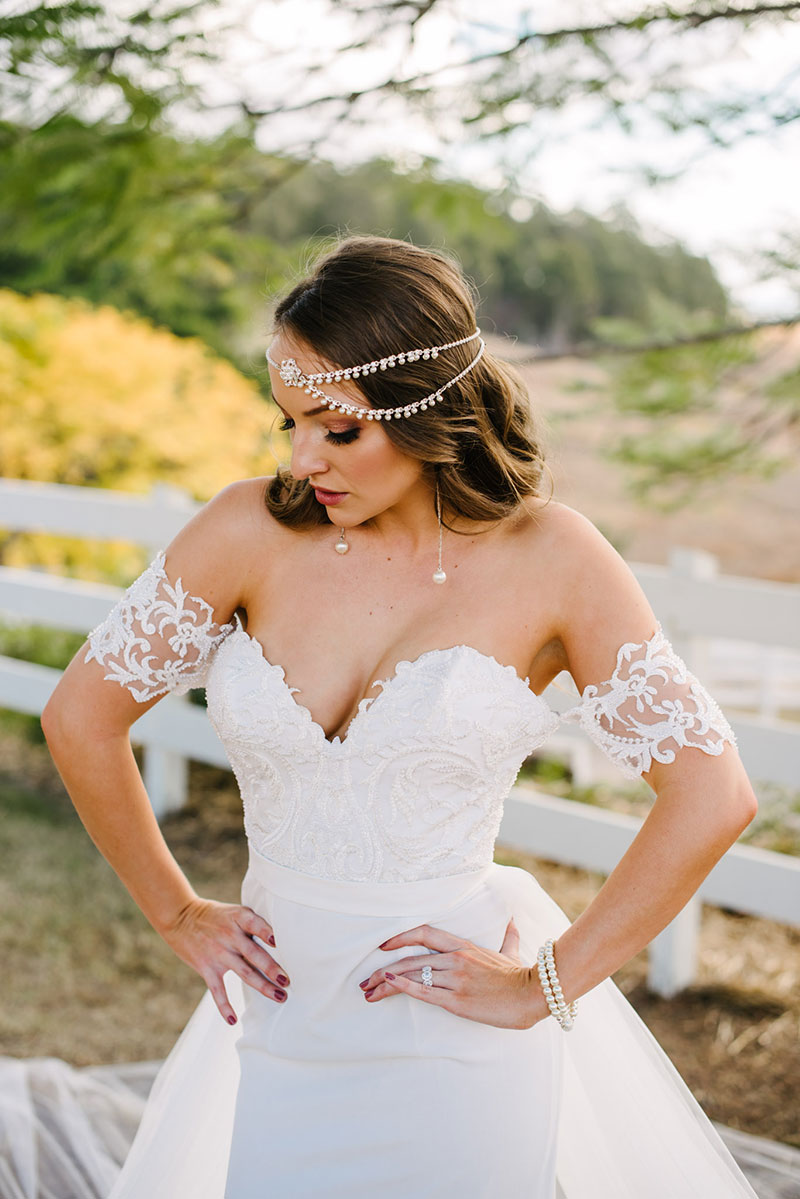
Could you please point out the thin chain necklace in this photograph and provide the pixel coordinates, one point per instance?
(439, 576)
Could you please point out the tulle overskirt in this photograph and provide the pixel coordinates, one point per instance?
(326, 1094)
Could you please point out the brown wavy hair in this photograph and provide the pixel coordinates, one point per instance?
(369, 297)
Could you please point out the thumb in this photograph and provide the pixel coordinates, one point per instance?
(510, 946)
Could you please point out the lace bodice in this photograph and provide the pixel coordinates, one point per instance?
(416, 787)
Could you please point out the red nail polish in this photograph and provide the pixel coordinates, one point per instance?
(383, 944)
(283, 980)
(231, 1019)
(370, 992)
(281, 995)
(270, 941)
(391, 976)
(362, 985)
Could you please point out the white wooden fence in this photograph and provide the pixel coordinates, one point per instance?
(705, 615)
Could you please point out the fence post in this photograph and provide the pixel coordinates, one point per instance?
(166, 779)
(673, 953)
(692, 564)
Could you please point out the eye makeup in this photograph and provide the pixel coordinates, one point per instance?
(345, 438)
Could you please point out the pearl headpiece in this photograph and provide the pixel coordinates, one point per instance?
(292, 376)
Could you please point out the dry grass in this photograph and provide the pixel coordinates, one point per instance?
(86, 979)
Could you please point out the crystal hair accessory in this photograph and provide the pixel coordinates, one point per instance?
(292, 376)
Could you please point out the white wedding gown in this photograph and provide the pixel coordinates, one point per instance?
(351, 841)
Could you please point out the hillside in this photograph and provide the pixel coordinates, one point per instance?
(751, 525)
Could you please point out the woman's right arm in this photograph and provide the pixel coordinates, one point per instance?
(156, 640)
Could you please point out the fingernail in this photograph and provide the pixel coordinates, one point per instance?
(231, 1019)
(383, 944)
(280, 995)
(369, 993)
(270, 941)
(283, 979)
(362, 985)
(391, 976)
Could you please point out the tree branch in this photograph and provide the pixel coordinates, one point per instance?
(592, 349)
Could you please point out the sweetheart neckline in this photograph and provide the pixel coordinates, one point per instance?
(366, 703)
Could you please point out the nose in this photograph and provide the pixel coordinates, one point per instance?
(306, 457)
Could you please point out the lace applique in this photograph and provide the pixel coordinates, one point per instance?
(650, 707)
(157, 635)
(416, 788)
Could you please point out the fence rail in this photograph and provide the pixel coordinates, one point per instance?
(701, 611)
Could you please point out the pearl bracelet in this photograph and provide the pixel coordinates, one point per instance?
(563, 1012)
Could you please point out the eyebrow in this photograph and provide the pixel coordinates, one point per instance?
(316, 411)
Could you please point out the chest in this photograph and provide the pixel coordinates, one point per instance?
(338, 625)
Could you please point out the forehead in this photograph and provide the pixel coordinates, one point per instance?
(283, 346)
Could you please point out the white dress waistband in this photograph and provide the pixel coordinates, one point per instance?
(417, 898)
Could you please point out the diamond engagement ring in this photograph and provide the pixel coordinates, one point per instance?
(427, 976)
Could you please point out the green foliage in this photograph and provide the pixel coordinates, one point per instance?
(785, 390)
(136, 219)
(192, 234)
(547, 278)
(36, 643)
(683, 419)
(76, 55)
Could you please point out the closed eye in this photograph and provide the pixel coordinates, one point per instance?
(344, 438)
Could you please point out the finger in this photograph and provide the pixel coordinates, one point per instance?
(439, 996)
(439, 961)
(510, 945)
(256, 980)
(261, 960)
(220, 997)
(256, 926)
(425, 934)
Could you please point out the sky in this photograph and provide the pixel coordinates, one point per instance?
(726, 203)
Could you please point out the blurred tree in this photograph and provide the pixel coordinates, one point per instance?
(137, 219)
(126, 66)
(93, 397)
(101, 85)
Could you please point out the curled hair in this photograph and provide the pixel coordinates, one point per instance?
(370, 297)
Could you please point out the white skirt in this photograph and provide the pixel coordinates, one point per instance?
(326, 1095)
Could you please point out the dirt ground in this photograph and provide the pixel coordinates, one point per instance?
(87, 979)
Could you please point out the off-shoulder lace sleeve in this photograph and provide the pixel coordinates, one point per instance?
(650, 708)
(157, 638)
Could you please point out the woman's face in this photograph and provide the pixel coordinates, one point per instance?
(355, 469)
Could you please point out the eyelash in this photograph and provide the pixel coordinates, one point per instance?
(345, 438)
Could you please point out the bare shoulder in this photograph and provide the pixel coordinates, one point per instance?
(598, 602)
(237, 515)
(562, 534)
(216, 548)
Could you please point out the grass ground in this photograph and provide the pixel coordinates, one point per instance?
(86, 979)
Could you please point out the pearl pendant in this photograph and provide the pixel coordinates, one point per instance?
(439, 576)
(341, 545)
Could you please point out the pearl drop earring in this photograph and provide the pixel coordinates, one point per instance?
(341, 545)
(438, 575)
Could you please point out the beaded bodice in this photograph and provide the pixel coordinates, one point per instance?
(416, 787)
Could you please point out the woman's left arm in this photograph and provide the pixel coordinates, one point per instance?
(656, 721)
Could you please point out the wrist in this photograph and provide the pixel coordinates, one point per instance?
(536, 1008)
(170, 919)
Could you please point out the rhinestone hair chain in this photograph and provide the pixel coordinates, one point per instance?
(292, 376)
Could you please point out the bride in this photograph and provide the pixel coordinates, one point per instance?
(388, 1010)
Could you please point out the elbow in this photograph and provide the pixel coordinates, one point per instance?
(52, 724)
(743, 808)
(61, 721)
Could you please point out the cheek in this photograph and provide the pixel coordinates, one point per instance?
(377, 458)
